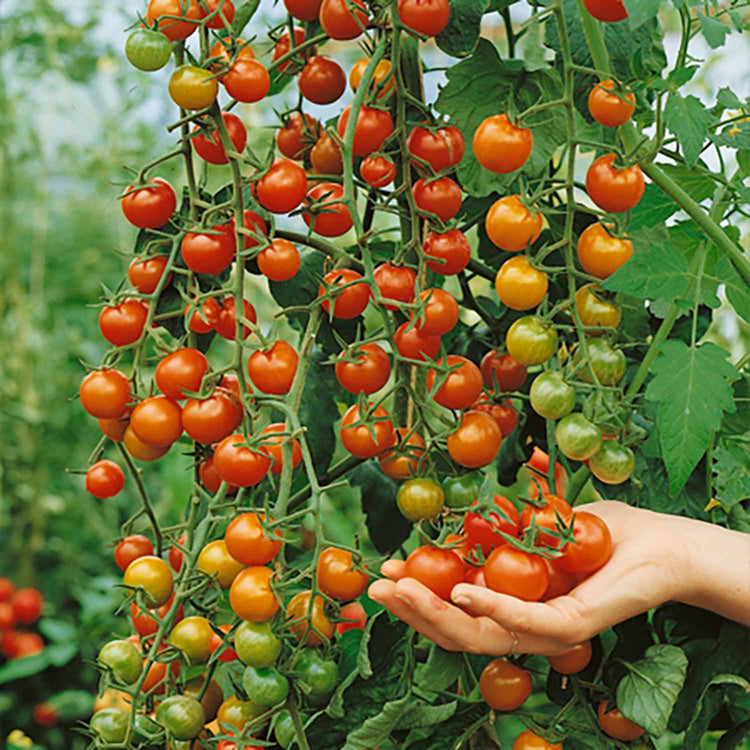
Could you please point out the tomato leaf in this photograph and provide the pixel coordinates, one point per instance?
(637, 277)
(736, 423)
(737, 135)
(459, 38)
(647, 694)
(689, 120)
(534, 54)
(714, 31)
(440, 671)
(682, 377)
(58, 631)
(737, 291)
(731, 473)
(640, 11)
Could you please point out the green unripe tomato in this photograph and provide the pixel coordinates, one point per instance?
(283, 729)
(577, 438)
(607, 363)
(182, 716)
(530, 340)
(256, 644)
(320, 676)
(146, 730)
(462, 491)
(265, 685)
(420, 499)
(111, 724)
(124, 659)
(612, 463)
(551, 397)
(611, 416)
(147, 49)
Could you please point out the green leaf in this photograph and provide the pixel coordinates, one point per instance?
(24, 667)
(720, 688)
(654, 208)
(731, 470)
(648, 693)
(743, 161)
(682, 377)
(727, 99)
(689, 120)
(440, 671)
(460, 36)
(243, 15)
(656, 269)
(737, 290)
(713, 30)
(736, 135)
(73, 704)
(534, 54)
(737, 423)
(640, 11)
(59, 631)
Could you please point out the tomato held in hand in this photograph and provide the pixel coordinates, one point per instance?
(599, 253)
(438, 569)
(427, 17)
(612, 189)
(482, 531)
(476, 441)
(531, 341)
(105, 479)
(519, 285)
(373, 126)
(349, 301)
(501, 372)
(593, 546)
(337, 576)
(500, 146)
(616, 725)
(460, 388)
(573, 660)
(517, 573)
(511, 226)
(608, 108)
(367, 372)
(208, 145)
(447, 253)
(420, 499)
(149, 207)
(357, 436)
(504, 686)
(546, 517)
(329, 217)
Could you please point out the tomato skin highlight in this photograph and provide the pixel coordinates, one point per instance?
(438, 569)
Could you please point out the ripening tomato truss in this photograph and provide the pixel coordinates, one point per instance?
(454, 337)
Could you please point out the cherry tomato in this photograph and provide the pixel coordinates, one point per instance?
(131, 548)
(192, 636)
(282, 48)
(482, 531)
(337, 576)
(208, 145)
(561, 582)
(27, 605)
(462, 490)
(180, 371)
(297, 135)
(353, 617)
(330, 217)
(501, 372)
(114, 429)
(214, 559)
(420, 499)
(283, 187)
(368, 371)
(519, 285)
(320, 676)
(226, 322)
(382, 79)
(147, 49)
(377, 171)
(373, 126)
(202, 319)
(222, 12)
(238, 713)
(395, 282)
(402, 461)
(595, 311)
(599, 253)
(176, 19)
(266, 684)
(256, 644)
(476, 442)
(280, 261)
(608, 11)
(191, 87)
(440, 313)
(313, 627)
(511, 226)
(460, 387)
(210, 478)
(322, 80)
(247, 80)
(517, 573)
(415, 344)
(153, 575)
(428, 17)
(438, 569)
(325, 156)
(593, 546)
(122, 324)
(273, 370)
(613, 463)
(357, 436)
(551, 396)
(145, 273)
(6, 589)
(210, 420)
(123, 658)
(45, 715)
(140, 450)
(149, 207)
(351, 300)
(225, 52)
(237, 464)
(441, 148)
(303, 10)
(447, 253)
(273, 438)
(105, 479)
(182, 716)
(545, 517)
(110, 724)
(529, 741)
(157, 421)
(573, 660)
(441, 197)
(616, 725)
(105, 394)
(504, 686)
(612, 189)
(577, 437)
(209, 252)
(608, 364)
(250, 595)
(500, 146)
(339, 22)
(504, 414)
(248, 543)
(608, 108)
(530, 340)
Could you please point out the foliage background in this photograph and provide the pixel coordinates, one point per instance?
(72, 113)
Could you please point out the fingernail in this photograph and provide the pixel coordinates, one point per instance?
(404, 599)
(462, 601)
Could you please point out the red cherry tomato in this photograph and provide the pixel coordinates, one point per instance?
(352, 299)
(483, 531)
(517, 573)
(149, 207)
(441, 197)
(438, 569)
(105, 479)
(208, 145)
(612, 189)
(447, 253)
(330, 217)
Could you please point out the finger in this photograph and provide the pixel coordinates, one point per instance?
(394, 569)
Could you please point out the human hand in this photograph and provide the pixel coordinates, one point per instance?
(649, 565)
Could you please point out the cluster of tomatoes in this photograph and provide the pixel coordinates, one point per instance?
(224, 597)
(19, 607)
